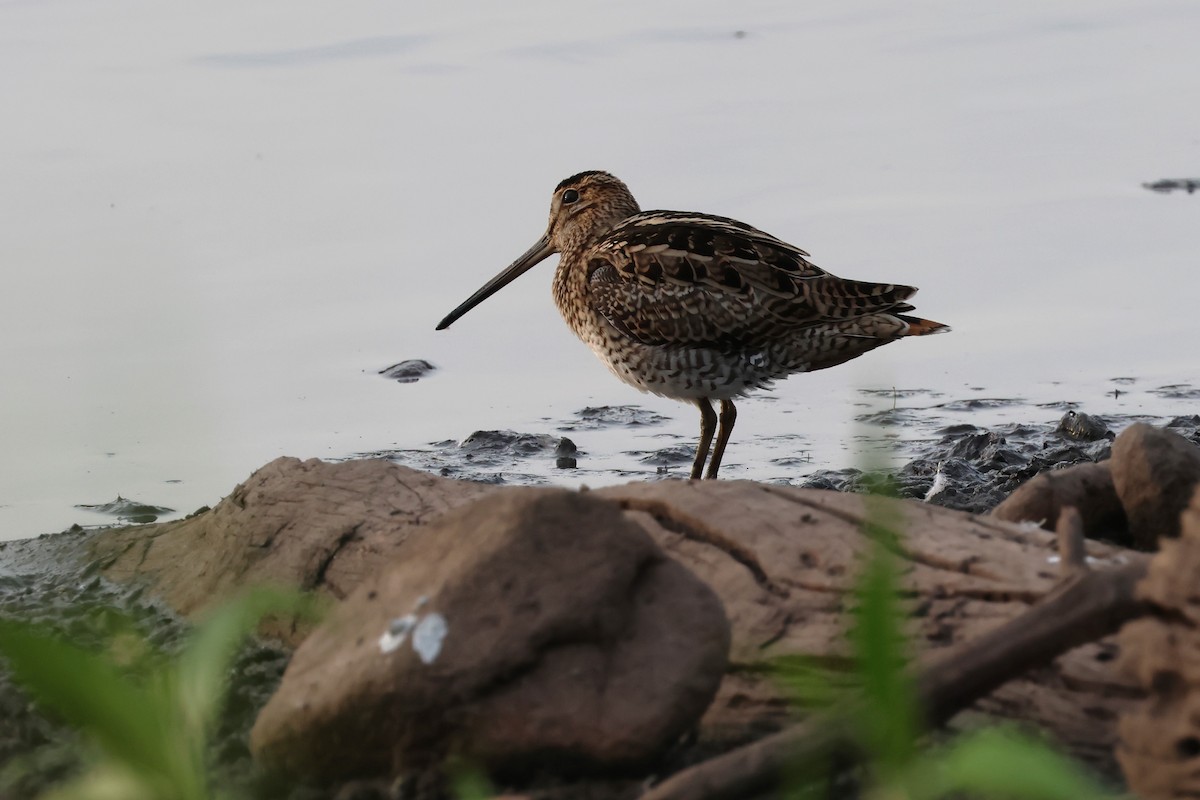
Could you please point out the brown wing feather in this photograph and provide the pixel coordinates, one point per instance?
(675, 277)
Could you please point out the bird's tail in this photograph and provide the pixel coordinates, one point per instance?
(921, 327)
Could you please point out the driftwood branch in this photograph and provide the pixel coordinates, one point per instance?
(1071, 541)
(1086, 606)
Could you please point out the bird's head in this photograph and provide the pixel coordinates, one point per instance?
(583, 209)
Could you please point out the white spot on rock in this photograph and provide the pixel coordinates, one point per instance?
(428, 637)
(396, 633)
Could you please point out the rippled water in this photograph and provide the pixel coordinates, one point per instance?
(220, 222)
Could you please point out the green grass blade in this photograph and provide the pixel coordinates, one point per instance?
(889, 720)
(1000, 764)
(813, 684)
(470, 783)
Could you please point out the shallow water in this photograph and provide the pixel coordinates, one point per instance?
(888, 429)
(221, 223)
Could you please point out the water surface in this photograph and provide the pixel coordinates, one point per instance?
(221, 221)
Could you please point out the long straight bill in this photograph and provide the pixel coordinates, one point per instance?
(541, 250)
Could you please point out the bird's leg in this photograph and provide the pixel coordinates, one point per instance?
(708, 426)
(728, 417)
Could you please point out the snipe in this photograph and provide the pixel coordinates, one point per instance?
(698, 307)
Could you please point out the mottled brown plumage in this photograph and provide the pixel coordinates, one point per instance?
(698, 307)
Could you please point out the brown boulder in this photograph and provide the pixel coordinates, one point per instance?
(1155, 471)
(532, 623)
(784, 559)
(1087, 487)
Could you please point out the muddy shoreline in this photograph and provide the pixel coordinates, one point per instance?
(49, 580)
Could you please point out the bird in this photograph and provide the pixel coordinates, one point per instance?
(698, 307)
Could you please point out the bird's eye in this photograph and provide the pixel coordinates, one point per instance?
(570, 196)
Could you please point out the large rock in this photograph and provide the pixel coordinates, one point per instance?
(534, 624)
(783, 561)
(1086, 487)
(310, 524)
(1155, 471)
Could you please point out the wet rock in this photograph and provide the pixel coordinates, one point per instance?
(974, 469)
(834, 480)
(479, 454)
(409, 371)
(507, 444)
(1072, 453)
(1084, 427)
(534, 626)
(669, 456)
(492, 457)
(594, 417)
(955, 483)
(951, 482)
(1155, 472)
(975, 445)
(1087, 487)
(129, 510)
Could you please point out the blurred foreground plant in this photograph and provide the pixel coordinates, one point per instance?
(150, 718)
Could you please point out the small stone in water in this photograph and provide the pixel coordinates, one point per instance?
(409, 371)
(1189, 185)
(1084, 427)
(564, 454)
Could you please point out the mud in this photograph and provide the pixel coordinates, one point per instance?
(593, 418)
(972, 468)
(43, 581)
(46, 582)
(963, 453)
